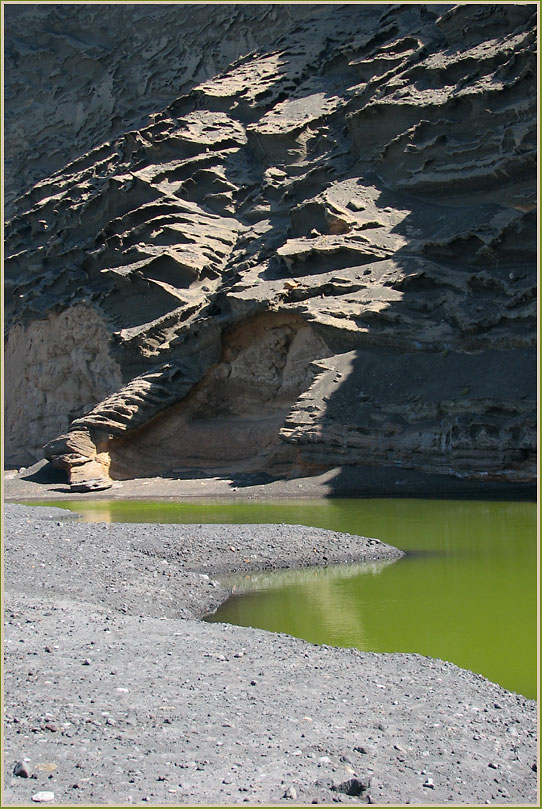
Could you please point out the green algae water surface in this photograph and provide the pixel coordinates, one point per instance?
(465, 592)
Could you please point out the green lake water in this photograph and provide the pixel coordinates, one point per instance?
(465, 592)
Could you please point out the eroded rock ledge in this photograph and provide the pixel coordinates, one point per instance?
(323, 256)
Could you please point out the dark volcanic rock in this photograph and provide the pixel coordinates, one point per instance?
(323, 255)
(354, 786)
(98, 71)
(21, 769)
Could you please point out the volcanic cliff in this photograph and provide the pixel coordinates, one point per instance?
(271, 238)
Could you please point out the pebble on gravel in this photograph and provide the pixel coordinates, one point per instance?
(354, 786)
(291, 793)
(21, 769)
(43, 797)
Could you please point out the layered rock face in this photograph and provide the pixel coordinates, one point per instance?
(79, 74)
(323, 256)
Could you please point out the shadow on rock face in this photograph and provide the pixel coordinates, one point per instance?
(239, 480)
(44, 472)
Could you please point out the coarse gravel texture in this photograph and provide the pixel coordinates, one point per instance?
(116, 692)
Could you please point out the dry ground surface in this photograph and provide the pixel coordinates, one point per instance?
(42, 482)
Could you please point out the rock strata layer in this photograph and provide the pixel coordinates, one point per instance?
(324, 255)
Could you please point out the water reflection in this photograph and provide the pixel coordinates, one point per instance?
(466, 591)
(96, 514)
(474, 609)
(264, 580)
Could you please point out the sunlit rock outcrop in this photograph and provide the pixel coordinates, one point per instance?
(324, 255)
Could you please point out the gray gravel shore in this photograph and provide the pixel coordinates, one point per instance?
(116, 693)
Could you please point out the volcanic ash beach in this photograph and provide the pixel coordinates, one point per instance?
(116, 692)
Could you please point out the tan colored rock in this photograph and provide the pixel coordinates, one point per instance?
(74, 444)
(92, 475)
(55, 369)
(76, 454)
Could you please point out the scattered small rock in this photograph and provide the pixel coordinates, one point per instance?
(43, 797)
(21, 769)
(291, 793)
(429, 783)
(354, 786)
